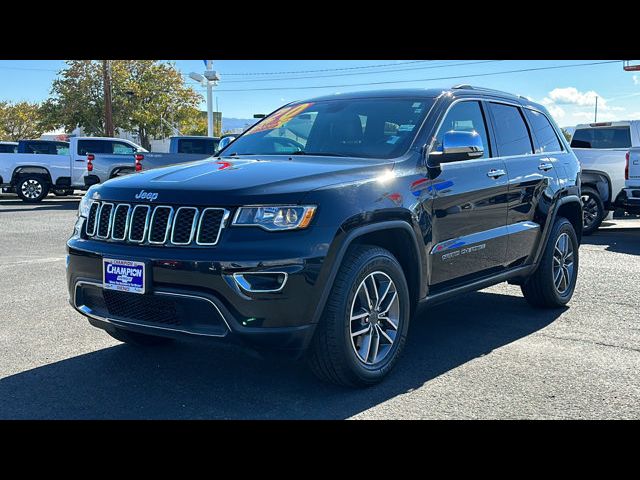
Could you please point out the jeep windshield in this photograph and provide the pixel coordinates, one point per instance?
(372, 128)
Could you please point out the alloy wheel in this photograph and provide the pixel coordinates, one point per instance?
(374, 318)
(589, 211)
(31, 189)
(563, 263)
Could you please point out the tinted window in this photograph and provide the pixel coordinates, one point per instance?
(512, 134)
(543, 132)
(4, 148)
(602, 137)
(40, 148)
(121, 148)
(467, 117)
(371, 127)
(93, 146)
(202, 146)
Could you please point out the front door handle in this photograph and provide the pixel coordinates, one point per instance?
(496, 173)
(545, 166)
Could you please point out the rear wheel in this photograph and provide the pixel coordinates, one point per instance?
(554, 280)
(138, 339)
(592, 210)
(32, 188)
(364, 326)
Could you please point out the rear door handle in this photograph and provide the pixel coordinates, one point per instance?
(545, 166)
(496, 173)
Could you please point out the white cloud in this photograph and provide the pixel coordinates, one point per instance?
(556, 112)
(571, 95)
(636, 80)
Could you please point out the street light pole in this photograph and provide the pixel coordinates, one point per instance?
(209, 80)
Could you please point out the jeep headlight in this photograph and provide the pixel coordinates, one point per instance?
(276, 217)
(85, 203)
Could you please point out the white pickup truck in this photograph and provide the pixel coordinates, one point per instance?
(602, 149)
(31, 175)
(630, 197)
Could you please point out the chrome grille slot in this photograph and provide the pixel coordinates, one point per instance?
(120, 221)
(151, 225)
(184, 225)
(160, 224)
(139, 223)
(104, 220)
(92, 219)
(211, 223)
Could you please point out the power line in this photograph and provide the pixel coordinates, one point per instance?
(452, 77)
(363, 73)
(28, 68)
(329, 69)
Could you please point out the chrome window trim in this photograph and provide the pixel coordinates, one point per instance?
(489, 100)
(167, 228)
(146, 224)
(223, 222)
(95, 221)
(106, 237)
(86, 311)
(126, 221)
(194, 224)
(244, 285)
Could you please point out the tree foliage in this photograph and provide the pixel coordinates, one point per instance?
(148, 97)
(21, 121)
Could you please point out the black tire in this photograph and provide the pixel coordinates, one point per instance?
(593, 212)
(63, 192)
(138, 339)
(540, 289)
(332, 355)
(32, 188)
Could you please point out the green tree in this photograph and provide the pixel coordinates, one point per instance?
(21, 120)
(148, 97)
(194, 123)
(566, 134)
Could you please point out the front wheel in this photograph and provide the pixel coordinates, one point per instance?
(364, 326)
(32, 188)
(553, 282)
(63, 192)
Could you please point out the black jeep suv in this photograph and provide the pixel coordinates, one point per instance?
(320, 229)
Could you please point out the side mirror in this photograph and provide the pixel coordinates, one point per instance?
(224, 143)
(457, 145)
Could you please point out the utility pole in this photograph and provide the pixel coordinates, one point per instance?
(108, 116)
(596, 115)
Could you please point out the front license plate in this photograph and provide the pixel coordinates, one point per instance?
(123, 275)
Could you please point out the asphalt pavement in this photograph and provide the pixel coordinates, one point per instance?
(485, 355)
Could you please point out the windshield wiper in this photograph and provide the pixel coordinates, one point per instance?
(318, 154)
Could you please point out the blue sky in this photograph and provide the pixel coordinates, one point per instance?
(568, 93)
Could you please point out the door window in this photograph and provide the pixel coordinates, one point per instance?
(467, 117)
(512, 134)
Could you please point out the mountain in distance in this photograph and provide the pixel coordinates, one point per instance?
(237, 123)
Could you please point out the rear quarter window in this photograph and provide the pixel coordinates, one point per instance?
(545, 135)
(602, 137)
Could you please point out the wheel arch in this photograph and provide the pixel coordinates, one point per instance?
(398, 237)
(33, 169)
(600, 182)
(568, 206)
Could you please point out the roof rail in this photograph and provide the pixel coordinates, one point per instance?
(465, 86)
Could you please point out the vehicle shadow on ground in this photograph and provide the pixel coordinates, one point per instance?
(220, 381)
(70, 203)
(619, 240)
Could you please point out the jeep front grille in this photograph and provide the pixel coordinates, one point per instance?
(155, 225)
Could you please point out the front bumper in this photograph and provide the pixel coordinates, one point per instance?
(202, 288)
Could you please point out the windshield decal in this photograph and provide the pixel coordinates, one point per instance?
(279, 118)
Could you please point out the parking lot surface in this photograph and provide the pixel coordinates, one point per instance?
(485, 355)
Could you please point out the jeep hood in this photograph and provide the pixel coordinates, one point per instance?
(239, 181)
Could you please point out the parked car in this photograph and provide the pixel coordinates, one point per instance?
(181, 150)
(629, 199)
(320, 230)
(601, 149)
(59, 166)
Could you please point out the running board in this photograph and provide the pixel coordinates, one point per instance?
(477, 285)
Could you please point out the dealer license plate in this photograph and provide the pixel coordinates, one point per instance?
(123, 275)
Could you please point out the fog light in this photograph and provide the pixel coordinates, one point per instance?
(261, 282)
